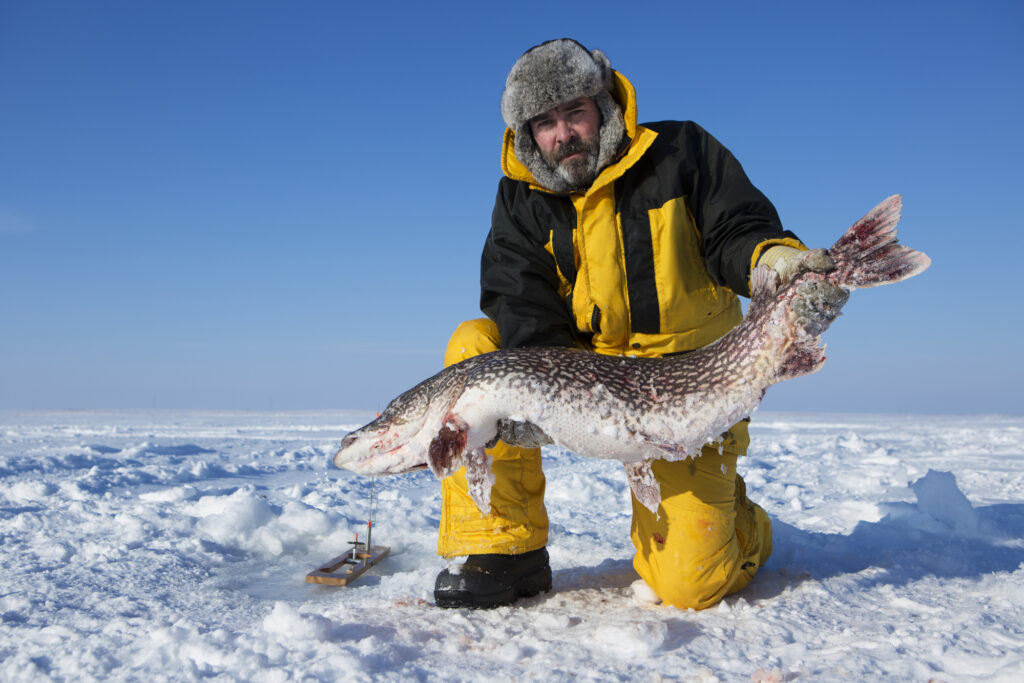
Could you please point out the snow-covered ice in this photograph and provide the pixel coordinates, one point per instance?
(159, 545)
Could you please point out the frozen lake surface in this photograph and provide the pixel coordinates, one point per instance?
(174, 545)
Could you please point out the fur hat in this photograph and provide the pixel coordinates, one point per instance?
(551, 74)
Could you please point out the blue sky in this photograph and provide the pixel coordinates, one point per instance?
(275, 205)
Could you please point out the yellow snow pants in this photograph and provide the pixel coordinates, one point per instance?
(706, 542)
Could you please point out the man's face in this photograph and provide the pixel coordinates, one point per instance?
(568, 139)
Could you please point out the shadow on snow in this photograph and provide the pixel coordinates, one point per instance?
(906, 544)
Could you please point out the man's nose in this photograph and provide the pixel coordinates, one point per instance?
(564, 132)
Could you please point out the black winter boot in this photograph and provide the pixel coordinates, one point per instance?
(486, 581)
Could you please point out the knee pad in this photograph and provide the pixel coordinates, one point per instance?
(471, 338)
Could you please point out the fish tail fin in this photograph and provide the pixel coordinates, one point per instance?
(868, 254)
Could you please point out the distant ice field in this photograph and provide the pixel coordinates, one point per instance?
(174, 546)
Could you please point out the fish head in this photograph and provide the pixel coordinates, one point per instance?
(391, 444)
(377, 449)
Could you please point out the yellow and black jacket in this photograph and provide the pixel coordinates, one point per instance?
(647, 261)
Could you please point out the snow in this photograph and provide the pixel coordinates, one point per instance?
(158, 545)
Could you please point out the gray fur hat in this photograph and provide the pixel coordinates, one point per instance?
(546, 76)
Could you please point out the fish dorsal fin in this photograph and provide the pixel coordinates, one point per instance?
(764, 285)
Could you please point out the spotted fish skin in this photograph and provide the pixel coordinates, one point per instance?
(634, 410)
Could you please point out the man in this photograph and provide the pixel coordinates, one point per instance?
(624, 239)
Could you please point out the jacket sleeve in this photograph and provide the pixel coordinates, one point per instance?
(519, 280)
(733, 216)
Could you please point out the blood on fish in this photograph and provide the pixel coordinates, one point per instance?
(447, 447)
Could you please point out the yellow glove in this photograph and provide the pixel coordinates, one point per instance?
(789, 262)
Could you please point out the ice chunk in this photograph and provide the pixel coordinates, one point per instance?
(644, 594)
(940, 498)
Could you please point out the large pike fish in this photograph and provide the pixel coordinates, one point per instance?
(635, 410)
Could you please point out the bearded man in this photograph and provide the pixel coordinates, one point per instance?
(624, 239)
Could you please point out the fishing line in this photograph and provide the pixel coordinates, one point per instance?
(370, 517)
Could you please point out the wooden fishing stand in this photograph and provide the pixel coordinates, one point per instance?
(345, 568)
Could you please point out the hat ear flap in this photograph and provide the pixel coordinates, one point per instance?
(605, 65)
(613, 128)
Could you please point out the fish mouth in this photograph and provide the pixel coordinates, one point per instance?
(376, 460)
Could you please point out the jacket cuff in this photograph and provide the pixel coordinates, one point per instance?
(766, 246)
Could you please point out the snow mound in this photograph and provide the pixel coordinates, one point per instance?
(939, 497)
(246, 521)
(286, 621)
(632, 638)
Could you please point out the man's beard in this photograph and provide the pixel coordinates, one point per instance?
(578, 172)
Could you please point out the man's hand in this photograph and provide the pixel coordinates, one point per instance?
(523, 434)
(789, 262)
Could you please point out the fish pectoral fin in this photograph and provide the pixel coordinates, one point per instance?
(479, 479)
(446, 451)
(644, 486)
(803, 359)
